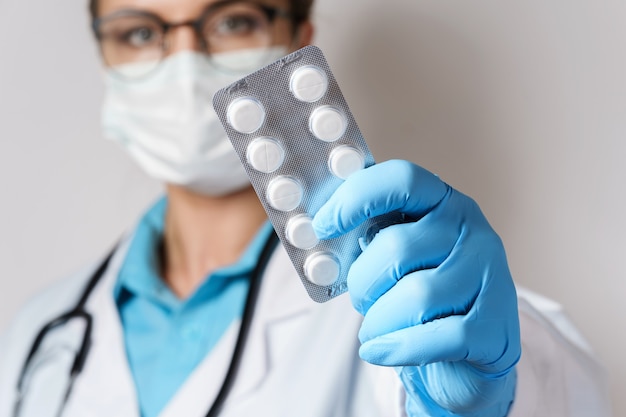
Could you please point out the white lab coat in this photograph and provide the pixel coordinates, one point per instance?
(301, 360)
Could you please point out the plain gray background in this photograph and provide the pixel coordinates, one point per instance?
(521, 105)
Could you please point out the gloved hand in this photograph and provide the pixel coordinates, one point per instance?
(437, 295)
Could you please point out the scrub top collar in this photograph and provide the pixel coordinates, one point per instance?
(140, 273)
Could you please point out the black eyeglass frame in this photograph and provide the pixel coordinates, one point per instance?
(196, 24)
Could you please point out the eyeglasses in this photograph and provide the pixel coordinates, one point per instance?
(133, 43)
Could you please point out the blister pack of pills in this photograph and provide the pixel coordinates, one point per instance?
(298, 141)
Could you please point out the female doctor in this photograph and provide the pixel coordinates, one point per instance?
(199, 312)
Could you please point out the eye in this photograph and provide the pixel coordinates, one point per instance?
(241, 24)
(140, 37)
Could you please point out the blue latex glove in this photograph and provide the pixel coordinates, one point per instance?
(437, 295)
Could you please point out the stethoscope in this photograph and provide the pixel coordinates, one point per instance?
(79, 312)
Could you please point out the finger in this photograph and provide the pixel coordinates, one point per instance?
(379, 189)
(419, 298)
(399, 250)
(488, 344)
(435, 341)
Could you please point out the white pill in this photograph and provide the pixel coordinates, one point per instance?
(265, 154)
(345, 160)
(284, 193)
(308, 83)
(299, 232)
(245, 115)
(327, 123)
(321, 268)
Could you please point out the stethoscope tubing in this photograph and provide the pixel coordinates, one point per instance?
(79, 312)
(244, 329)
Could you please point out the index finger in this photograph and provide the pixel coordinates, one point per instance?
(383, 188)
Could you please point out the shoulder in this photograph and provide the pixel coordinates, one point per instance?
(51, 301)
(59, 297)
(558, 373)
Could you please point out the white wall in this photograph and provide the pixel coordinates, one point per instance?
(522, 105)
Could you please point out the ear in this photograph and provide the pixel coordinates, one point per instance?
(304, 35)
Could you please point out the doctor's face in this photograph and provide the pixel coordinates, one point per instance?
(145, 32)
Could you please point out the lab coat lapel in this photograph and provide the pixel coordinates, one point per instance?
(199, 391)
(105, 387)
(47, 378)
(282, 299)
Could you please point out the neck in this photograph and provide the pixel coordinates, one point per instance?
(204, 233)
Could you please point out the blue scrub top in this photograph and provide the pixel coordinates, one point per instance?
(166, 337)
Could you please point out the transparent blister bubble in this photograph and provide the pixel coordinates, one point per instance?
(298, 141)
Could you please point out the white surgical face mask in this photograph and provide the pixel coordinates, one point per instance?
(167, 124)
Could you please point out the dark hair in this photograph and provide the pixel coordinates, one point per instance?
(300, 9)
